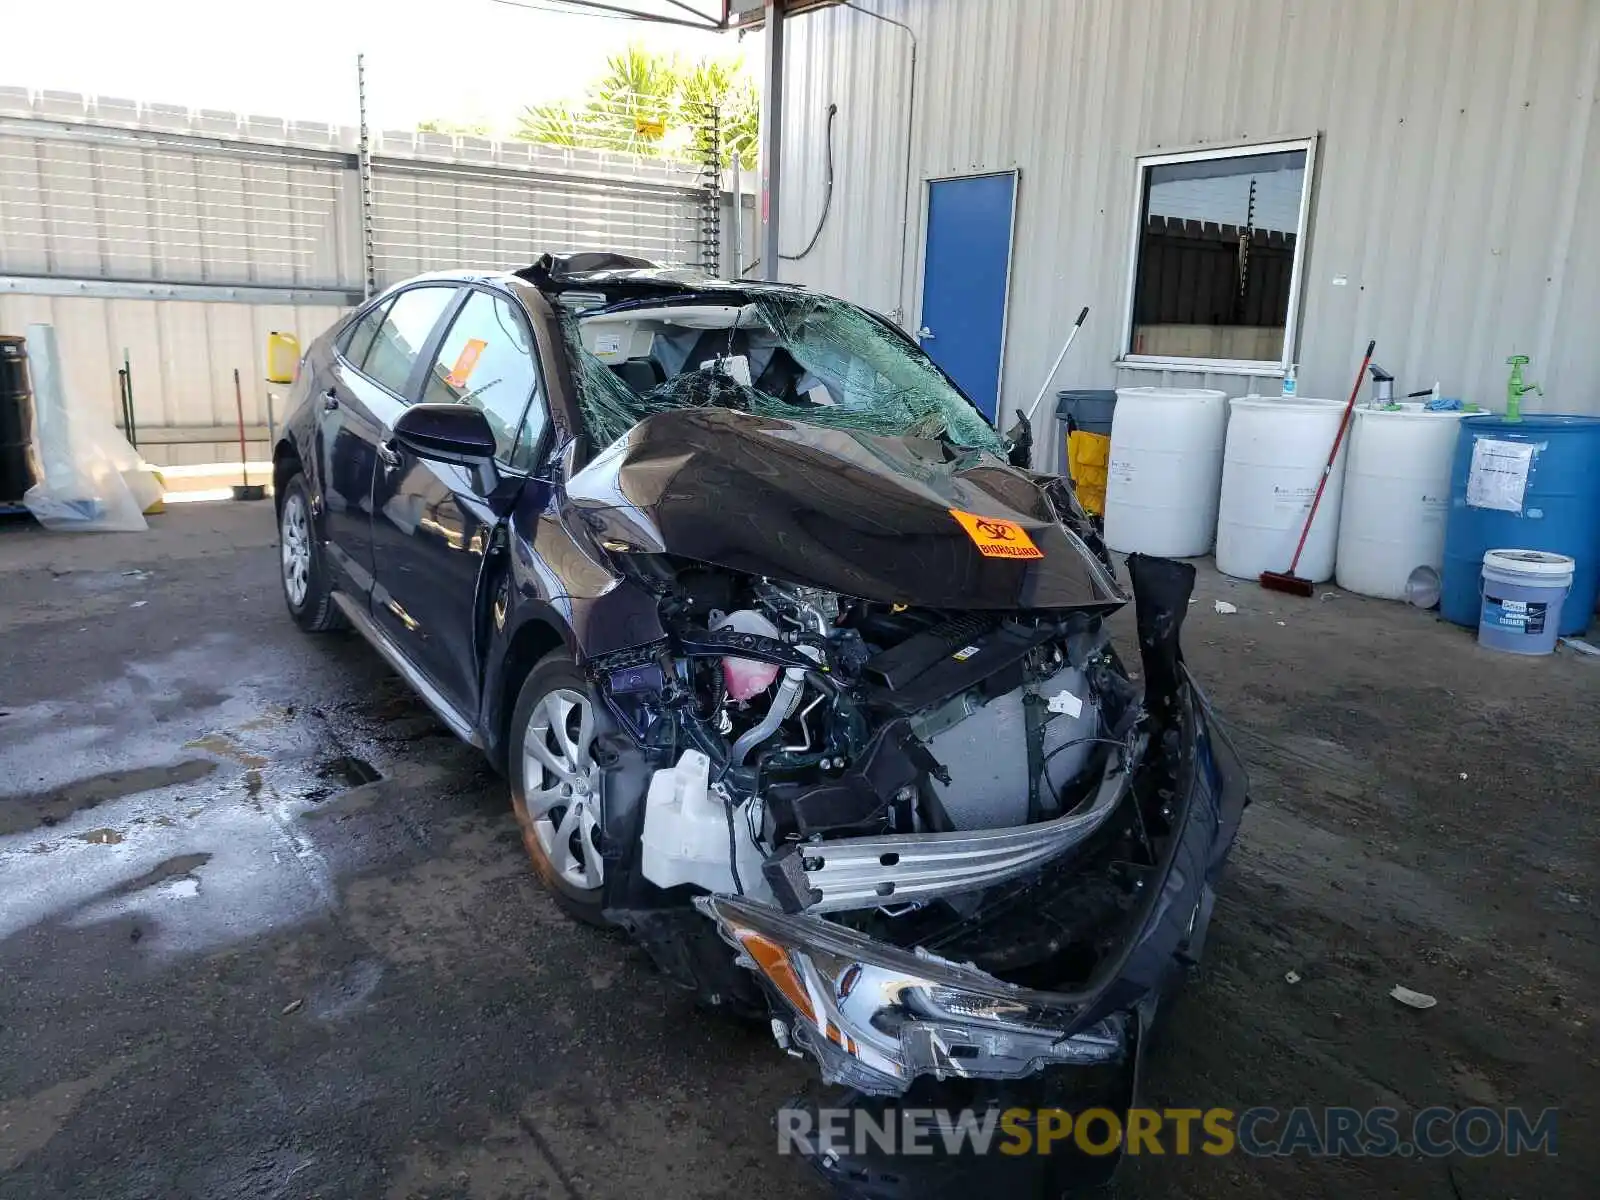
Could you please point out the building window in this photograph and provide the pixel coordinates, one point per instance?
(1218, 252)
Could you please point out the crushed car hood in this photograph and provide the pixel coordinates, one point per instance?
(856, 513)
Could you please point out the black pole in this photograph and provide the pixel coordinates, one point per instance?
(127, 375)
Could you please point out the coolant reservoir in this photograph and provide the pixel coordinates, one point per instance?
(746, 678)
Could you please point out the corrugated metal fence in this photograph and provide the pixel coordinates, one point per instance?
(181, 238)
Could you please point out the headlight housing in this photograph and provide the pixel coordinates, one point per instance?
(876, 1016)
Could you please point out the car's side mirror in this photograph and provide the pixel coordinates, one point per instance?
(450, 433)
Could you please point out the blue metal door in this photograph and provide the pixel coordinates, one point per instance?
(966, 269)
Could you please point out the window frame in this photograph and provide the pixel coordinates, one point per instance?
(407, 394)
(1126, 359)
(418, 383)
(341, 344)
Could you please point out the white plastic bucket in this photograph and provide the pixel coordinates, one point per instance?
(1523, 591)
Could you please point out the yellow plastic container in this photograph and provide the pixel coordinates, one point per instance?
(283, 357)
(1087, 457)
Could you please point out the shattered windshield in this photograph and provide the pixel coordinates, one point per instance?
(801, 358)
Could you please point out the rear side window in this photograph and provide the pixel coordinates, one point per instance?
(358, 340)
(486, 360)
(399, 340)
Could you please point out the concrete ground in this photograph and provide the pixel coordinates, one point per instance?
(267, 931)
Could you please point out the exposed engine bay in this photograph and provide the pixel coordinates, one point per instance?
(986, 791)
(805, 735)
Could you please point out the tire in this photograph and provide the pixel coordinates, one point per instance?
(302, 563)
(555, 785)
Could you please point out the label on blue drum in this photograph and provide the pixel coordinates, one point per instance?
(1515, 616)
(1499, 475)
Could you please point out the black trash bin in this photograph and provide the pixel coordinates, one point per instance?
(1088, 409)
(19, 462)
(1087, 417)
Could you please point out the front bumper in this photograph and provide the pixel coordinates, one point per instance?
(877, 1017)
(911, 1026)
(1023, 1114)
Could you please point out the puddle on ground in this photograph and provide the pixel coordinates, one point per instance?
(272, 717)
(179, 889)
(24, 812)
(224, 746)
(174, 874)
(349, 770)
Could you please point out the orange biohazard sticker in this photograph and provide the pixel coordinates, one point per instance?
(996, 538)
(465, 362)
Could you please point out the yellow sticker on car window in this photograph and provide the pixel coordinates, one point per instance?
(997, 538)
(465, 362)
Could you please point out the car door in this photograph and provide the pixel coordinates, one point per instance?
(432, 525)
(371, 363)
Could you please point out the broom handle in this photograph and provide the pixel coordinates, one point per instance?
(238, 402)
(1344, 422)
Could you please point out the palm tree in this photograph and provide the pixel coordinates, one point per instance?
(634, 98)
(711, 86)
(652, 104)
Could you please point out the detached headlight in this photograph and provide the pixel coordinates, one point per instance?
(876, 1016)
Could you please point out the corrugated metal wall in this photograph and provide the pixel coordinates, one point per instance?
(474, 203)
(181, 355)
(236, 225)
(109, 189)
(1457, 183)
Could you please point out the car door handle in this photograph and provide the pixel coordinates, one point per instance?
(330, 400)
(389, 454)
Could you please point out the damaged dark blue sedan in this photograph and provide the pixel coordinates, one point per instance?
(797, 671)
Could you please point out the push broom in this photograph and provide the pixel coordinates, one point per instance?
(1288, 581)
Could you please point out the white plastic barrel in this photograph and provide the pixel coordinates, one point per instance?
(1396, 498)
(1165, 468)
(1277, 449)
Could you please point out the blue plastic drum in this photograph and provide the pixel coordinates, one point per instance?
(1533, 484)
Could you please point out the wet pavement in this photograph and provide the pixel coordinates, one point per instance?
(267, 930)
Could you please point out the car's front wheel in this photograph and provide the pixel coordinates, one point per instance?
(307, 589)
(555, 784)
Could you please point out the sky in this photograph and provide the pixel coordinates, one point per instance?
(458, 60)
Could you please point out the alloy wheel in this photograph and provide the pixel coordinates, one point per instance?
(295, 540)
(561, 785)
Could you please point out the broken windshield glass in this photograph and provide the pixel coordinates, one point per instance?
(797, 357)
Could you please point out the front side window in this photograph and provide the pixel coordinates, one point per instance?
(399, 341)
(1217, 255)
(486, 360)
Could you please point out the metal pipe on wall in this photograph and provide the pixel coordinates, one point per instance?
(738, 219)
(771, 138)
(900, 311)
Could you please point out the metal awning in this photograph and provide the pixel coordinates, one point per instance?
(713, 15)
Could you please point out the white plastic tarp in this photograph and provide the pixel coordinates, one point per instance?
(94, 482)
